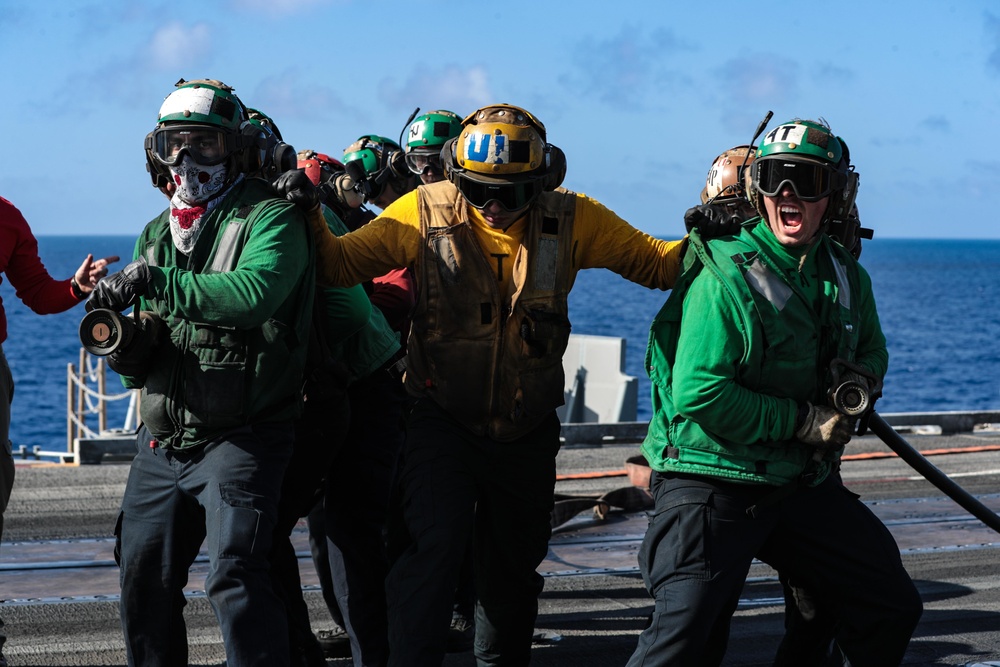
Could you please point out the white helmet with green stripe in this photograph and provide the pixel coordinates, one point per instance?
(203, 119)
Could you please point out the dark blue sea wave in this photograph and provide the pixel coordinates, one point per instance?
(938, 302)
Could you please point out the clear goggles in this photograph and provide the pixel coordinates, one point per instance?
(206, 145)
(511, 196)
(420, 162)
(811, 181)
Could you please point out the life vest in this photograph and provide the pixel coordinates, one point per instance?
(493, 361)
(781, 357)
(207, 379)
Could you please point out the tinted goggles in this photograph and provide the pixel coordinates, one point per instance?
(420, 162)
(510, 196)
(811, 181)
(206, 145)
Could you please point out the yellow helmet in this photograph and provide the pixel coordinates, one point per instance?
(502, 141)
(501, 155)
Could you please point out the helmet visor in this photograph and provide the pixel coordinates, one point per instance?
(811, 181)
(206, 145)
(511, 196)
(420, 162)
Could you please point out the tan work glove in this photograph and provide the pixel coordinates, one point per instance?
(825, 427)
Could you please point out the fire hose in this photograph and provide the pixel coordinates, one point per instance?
(930, 472)
(854, 392)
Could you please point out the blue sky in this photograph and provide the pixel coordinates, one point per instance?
(641, 96)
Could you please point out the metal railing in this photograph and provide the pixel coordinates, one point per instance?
(87, 396)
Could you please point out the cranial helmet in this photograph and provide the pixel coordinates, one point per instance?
(319, 167)
(372, 151)
(322, 170)
(725, 177)
(372, 161)
(430, 130)
(426, 135)
(205, 120)
(501, 154)
(805, 155)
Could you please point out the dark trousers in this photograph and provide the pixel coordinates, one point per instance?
(349, 530)
(700, 544)
(454, 484)
(228, 492)
(319, 436)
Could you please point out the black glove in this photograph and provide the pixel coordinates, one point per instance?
(296, 187)
(713, 220)
(133, 359)
(122, 289)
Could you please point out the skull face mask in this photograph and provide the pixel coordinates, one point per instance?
(196, 184)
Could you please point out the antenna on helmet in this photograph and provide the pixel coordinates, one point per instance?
(407, 124)
(756, 135)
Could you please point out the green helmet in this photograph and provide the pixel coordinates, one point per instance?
(803, 139)
(430, 130)
(203, 101)
(369, 149)
(205, 120)
(807, 157)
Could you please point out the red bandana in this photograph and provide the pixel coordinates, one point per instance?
(187, 216)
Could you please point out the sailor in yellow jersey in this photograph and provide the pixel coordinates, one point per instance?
(495, 249)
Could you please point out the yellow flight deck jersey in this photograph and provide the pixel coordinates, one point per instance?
(393, 241)
(491, 321)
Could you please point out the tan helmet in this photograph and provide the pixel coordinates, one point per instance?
(725, 178)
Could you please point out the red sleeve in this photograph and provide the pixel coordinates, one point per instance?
(24, 269)
(395, 295)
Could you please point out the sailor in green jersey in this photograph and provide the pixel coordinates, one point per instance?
(742, 441)
(227, 272)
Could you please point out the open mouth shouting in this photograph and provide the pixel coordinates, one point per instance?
(793, 221)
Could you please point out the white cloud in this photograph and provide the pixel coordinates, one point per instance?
(457, 89)
(177, 45)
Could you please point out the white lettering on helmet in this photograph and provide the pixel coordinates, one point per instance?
(488, 148)
(792, 134)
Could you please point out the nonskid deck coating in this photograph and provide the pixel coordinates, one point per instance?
(70, 570)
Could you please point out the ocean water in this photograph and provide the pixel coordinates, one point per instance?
(939, 303)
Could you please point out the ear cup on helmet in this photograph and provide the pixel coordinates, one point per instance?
(842, 201)
(251, 155)
(448, 160)
(284, 158)
(552, 178)
(555, 168)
